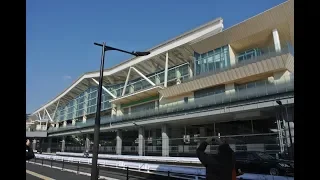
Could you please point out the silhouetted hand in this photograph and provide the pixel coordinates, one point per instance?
(28, 142)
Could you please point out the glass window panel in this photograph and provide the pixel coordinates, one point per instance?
(171, 74)
(204, 55)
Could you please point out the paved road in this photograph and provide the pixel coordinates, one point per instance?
(37, 172)
(38, 167)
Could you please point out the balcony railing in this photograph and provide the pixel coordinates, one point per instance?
(257, 91)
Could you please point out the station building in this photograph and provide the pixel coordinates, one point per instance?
(209, 81)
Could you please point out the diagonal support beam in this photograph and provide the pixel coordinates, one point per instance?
(128, 76)
(126, 83)
(143, 76)
(44, 113)
(39, 115)
(104, 88)
(48, 114)
(54, 114)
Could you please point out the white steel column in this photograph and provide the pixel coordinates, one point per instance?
(141, 141)
(34, 144)
(276, 40)
(165, 140)
(166, 70)
(87, 145)
(119, 142)
(49, 145)
(63, 144)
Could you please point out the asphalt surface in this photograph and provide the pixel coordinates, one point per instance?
(52, 173)
(60, 171)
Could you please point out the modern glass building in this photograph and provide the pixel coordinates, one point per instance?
(209, 81)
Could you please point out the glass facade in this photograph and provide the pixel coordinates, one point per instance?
(249, 54)
(86, 102)
(143, 107)
(212, 60)
(209, 91)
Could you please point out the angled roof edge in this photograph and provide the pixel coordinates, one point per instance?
(130, 62)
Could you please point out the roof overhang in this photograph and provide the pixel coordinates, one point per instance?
(178, 48)
(254, 31)
(139, 95)
(31, 134)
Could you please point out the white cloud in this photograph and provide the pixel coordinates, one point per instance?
(66, 77)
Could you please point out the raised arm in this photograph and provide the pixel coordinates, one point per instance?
(204, 158)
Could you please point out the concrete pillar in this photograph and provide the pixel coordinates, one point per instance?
(166, 70)
(141, 141)
(129, 110)
(119, 142)
(190, 71)
(276, 40)
(165, 140)
(178, 76)
(87, 144)
(64, 123)
(119, 110)
(156, 104)
(230, 90)
(34, 144)
(131, 89)
(281, 77)
(63, 144)
(232, 56)
(73, 122)
(49, 145)
(84, 119)
(113, 109)
(157, 80)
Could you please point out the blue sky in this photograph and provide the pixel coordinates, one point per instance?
(60, 34)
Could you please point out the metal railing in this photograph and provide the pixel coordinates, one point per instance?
(133, 170)
(258, 91)
(268, 53)
(269, 143)
(125, 169)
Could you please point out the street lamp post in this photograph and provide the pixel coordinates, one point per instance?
(287, 120)
(94, 169)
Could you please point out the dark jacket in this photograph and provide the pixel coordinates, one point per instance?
(219, 166)
(29, 153)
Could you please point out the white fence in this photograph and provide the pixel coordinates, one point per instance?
(187, 160)
(147, 167)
